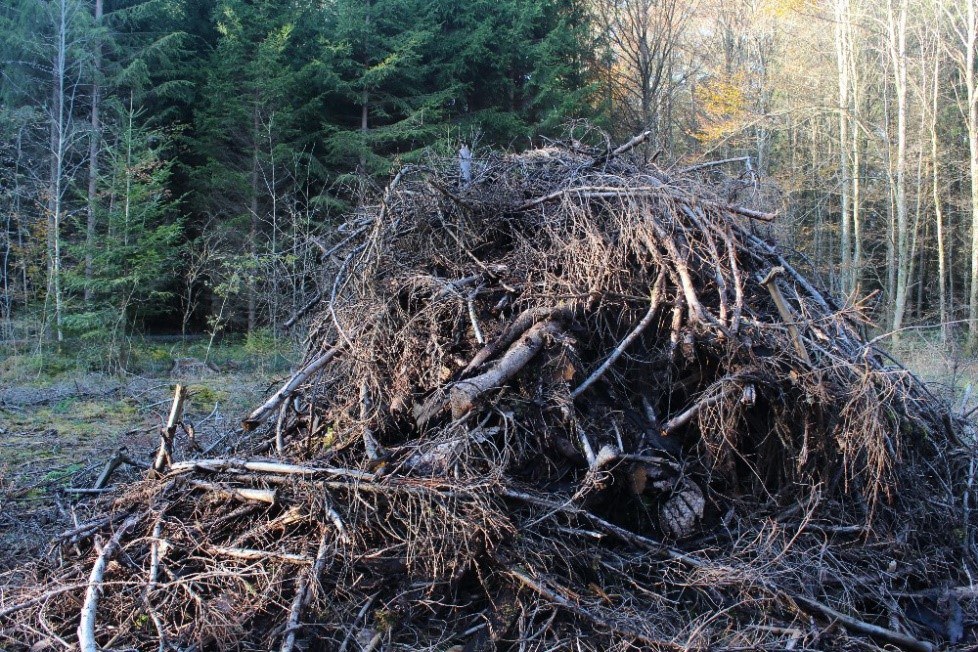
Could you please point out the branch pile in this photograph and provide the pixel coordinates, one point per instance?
(573, 404)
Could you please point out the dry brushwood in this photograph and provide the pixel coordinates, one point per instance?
(574, 403)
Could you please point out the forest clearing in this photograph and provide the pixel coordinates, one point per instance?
(362, 325)
(572, 399)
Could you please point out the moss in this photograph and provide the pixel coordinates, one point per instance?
(203, 397)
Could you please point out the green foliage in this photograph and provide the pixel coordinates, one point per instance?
(136, 258)
(230, 132)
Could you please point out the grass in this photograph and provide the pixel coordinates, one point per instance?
(945, 368)
(63, 409)
(258, 352)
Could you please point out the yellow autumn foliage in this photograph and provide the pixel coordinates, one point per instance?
(723, 108)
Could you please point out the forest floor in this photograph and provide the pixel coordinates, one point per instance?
(61, 421)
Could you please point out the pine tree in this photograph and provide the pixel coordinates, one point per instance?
(135, 265)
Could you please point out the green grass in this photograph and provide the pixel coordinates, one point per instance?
(259, 352)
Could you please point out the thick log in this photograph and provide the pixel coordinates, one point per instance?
(462, 396)
(517, 327)
(465, 393)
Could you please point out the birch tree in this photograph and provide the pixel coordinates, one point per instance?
(896, 22)
(963, 21)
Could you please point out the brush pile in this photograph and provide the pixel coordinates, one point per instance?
(573, 403)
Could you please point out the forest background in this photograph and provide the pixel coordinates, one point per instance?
(176, 167)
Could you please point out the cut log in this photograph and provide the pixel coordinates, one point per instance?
(463, 395)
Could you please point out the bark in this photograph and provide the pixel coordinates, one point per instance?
(253, 224)
(259, 415)
(58, 146)
(897, 29)
(842, 62)
(972, 123)
(93, 151)
(465, 394)
(86, 625)
(938, 210)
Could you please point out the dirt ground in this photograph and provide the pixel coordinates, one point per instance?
(56, 435)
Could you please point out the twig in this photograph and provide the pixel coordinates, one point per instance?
(641, 326)
(560, 599)
(902, 641)
(38, 599)
(301, 312)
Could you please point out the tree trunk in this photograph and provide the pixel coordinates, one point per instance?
(57, 146)
(938, 211)
(93, 151)
(842, 56)
(898, 48)
(972, 124)
(253, 225)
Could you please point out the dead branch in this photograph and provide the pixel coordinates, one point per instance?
(464, 393)
(657, 289)
(258, 416)
(165, 453)
(86, 625)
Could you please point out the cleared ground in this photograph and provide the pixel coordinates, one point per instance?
(60, 423)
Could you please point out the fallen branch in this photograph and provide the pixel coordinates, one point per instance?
(687, 415)
(462, 395)
(301, 312)
(258, 416)
(771, 283)
(251, 554)
(244, 494)
(304, 593)
(857, 626)
(274, 468)
(86, 625)
(120, 457)
(517, 327)
(560, 599)
(624, 148)
(657, 289)
(165, 454)
(713, 164)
